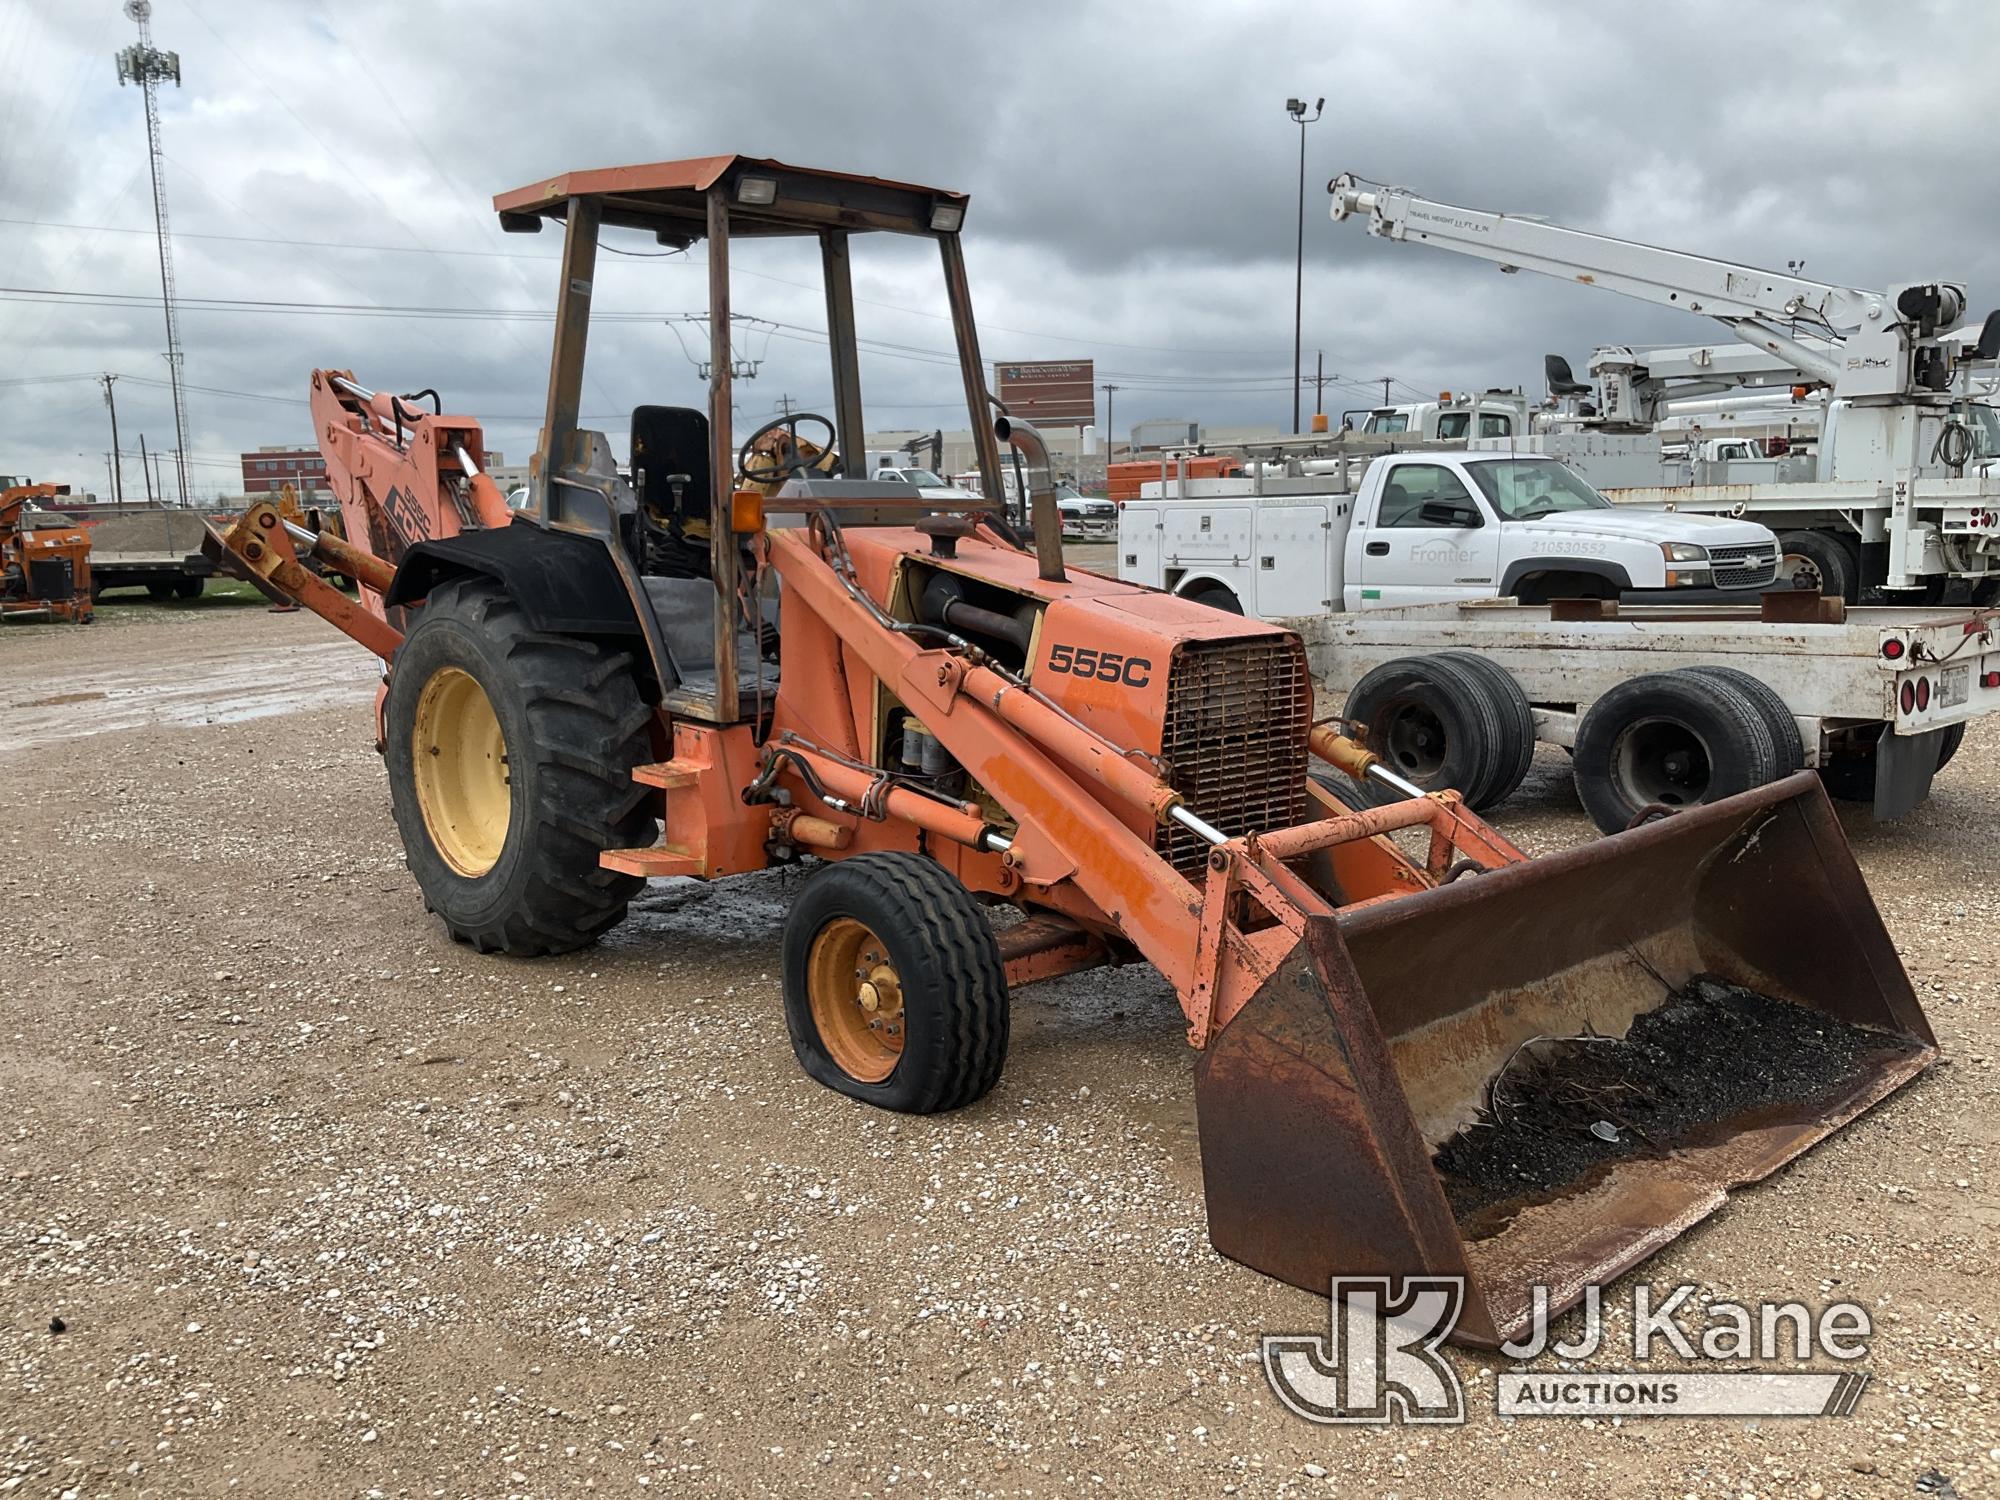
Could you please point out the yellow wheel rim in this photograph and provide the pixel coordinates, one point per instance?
(460, 757)
(857, 1000)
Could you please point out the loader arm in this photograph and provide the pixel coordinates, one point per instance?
(1064, 785)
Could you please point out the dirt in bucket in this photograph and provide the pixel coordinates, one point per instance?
(1561, 1106)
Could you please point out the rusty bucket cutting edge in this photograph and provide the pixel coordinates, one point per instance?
(1320, 1104)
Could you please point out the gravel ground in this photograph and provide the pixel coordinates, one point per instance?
(327, 1204)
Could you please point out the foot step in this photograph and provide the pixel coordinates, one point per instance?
(671, 774)
(661, 859)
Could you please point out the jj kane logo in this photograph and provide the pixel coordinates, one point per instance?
(1380, 1360)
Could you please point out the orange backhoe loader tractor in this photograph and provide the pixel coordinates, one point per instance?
(1012, 769)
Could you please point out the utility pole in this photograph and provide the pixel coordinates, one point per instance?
(145, 473)
(107, 469)
(1110, 430)
(1296, 108)
(1385, 388)
(117, 456)
(785, 405)
(147, 66)
(1321, 380)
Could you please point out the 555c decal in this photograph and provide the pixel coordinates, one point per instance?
(1101, 666)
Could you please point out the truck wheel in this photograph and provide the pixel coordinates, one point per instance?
(1343, 788)
(894, 989)
(1785, 742)
(1813, 559)
(1215, 596)
(1954, 736)
(187, 588)
(1432, 723)
(1670, 739)
(1851, 778)
(510, 756)
(1515, 752)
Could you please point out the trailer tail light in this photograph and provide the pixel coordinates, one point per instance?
(1892, 648)
(1923, 693)
(1909, 697)
(1989, 679)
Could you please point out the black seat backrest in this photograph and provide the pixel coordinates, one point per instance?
(668, 440)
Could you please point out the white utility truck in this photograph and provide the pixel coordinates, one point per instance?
(1901, 499)
(1417, 528)
(1663, 705)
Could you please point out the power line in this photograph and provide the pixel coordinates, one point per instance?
(678, 257)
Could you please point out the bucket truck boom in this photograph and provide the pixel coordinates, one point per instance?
(1888, 342)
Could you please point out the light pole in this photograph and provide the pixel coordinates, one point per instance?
(1296, 108)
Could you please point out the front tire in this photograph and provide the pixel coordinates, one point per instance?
(510, 756)
(895, 993)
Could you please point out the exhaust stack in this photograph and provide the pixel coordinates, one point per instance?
(1042, 495)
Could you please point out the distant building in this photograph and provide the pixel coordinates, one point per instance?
(269, 470)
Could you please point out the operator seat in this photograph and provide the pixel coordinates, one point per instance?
(670, 474)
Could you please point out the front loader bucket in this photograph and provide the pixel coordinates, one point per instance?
(1354, 1100)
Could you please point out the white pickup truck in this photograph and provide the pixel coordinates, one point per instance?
(1421, 528)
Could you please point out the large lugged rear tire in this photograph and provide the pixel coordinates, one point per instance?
(1673, 739)
(510, 756)
(894, 989)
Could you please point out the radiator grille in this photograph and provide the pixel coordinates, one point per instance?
(1744, 566)
(1238, 713)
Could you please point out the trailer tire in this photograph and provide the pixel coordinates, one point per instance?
(503, 834)
(160, 591)
(1669, 738)
(1822, 560)
(895, 993)
(1785, 741)
(187, 588)
(1215, 596)
(1432, 723)
(1515, 753)
(1954, 736)
(1344, 789)
(1851, 778)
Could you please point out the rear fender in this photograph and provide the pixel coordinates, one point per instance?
(566, 583)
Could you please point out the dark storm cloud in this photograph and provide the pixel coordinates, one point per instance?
(1132, 168)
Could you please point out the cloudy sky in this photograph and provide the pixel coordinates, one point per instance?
(1132, 170)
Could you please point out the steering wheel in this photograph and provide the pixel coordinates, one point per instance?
(787, 458)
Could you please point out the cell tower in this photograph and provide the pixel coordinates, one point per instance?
(147, 66)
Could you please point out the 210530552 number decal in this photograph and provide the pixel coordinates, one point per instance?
(1101, 666)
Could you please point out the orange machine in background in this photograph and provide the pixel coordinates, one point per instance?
(1126, 478)
(45, 568)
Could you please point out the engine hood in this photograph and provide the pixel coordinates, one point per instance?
(1645, 525)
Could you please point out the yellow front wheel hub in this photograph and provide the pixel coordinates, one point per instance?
(460, 769)
(856, 997)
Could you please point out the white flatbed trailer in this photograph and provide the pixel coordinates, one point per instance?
(1889, 682)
